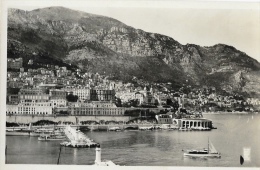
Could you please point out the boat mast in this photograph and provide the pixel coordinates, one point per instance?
(5, 153)
(208, 145)
(59, 156)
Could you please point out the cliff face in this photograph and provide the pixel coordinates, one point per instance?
(105, 45)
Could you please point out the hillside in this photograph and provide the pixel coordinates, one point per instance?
(108, 46)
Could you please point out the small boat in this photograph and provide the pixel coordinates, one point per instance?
(201, 128)
(51, 137)
(173, 128)
(146, 128)
(79, 145)
(184, 129)
(39, 132)
(114, 129)
(210, 152)
(19, 132)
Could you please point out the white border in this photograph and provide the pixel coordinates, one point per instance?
(222, 4)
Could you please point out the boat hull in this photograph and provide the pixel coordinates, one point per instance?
(52, 139)
(17, 133)
(69, 144)
(210, 155)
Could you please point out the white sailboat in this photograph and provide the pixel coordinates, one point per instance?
(210, 152)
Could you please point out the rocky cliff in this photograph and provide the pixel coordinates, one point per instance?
(101, 44)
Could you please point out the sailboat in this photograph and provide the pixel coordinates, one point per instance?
(210, 152)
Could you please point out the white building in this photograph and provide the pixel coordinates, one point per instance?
(96, 108)
(31, 95)
(82, 93)
(58, 102)
(30, 108)
(11, 109)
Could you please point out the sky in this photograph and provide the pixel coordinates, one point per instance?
(202, 23)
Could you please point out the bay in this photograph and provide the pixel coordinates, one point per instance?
(151, 148)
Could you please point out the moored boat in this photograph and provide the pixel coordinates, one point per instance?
(51, 137)
(184, 129)
(19, 131)
(114, 129)
(43, 131)
(146, 128)
(201, 128)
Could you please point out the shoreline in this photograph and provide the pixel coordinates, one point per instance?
(229, 113)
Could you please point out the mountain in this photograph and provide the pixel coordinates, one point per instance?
(108, 46)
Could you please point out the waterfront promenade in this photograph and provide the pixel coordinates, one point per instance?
(26, 119)
(91, 127)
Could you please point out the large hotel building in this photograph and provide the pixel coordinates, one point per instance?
(96, 108)
(36, 101)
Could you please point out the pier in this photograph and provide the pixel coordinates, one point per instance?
(78, 139)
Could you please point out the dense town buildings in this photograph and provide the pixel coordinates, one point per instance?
(15, 63)
(45, 91)
(42, 91)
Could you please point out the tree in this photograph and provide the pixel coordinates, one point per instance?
(13, 90)
(134, 102)
(72, 98)
(118, 102)
(169, 102)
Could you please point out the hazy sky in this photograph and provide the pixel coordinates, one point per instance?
(202, 23)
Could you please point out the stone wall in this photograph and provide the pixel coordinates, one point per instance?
(32, 119)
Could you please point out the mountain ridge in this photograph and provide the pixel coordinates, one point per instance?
(103, 44)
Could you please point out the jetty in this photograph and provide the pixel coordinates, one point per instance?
(77, 139)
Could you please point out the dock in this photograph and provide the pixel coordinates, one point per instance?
(77, 139)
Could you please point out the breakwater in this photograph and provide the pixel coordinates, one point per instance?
(77, 138)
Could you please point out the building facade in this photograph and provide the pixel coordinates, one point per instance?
(193, 123)
(32, 95)
(30, 108)
(102, 95)
(13, 99)
(57, 94)
(164, 119)
(58, 98)
(82, 93)
(96, 108)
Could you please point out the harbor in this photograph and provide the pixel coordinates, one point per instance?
(130, 147)
(168, 121)
(24, 131)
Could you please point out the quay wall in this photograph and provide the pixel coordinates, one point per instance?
(230, 113)
(61, 119)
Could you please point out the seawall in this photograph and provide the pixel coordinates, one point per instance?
(61, 119)
(225, 113)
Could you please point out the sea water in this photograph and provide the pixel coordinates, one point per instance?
(234, 134)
